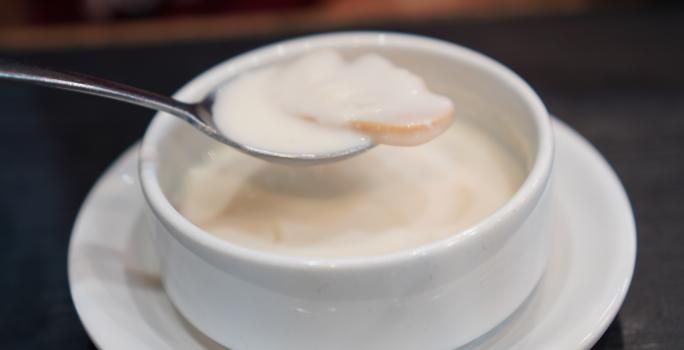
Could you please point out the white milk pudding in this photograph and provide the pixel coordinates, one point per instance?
(320, 103)
(382, 201)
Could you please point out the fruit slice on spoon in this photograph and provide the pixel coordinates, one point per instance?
(369, 95)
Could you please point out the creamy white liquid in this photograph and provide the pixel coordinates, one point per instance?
(320, 103)
(385, 200)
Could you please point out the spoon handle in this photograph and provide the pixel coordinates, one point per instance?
(95, 86)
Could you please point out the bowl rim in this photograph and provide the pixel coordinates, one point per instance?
(531, 189)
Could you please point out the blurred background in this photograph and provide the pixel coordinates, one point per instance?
(60, 23)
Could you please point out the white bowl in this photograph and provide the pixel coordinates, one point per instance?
(446, 293)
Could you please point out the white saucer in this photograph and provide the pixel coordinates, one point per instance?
(122, 305)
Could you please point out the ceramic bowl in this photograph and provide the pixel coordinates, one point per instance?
(445, 293)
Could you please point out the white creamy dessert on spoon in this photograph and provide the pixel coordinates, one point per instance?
(321, 103)
(382, 201)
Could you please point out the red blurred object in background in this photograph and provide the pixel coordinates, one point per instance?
(64, 11)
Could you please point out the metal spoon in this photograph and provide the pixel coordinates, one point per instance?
(197, 114)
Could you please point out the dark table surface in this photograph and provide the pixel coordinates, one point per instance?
(618, 78)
